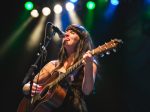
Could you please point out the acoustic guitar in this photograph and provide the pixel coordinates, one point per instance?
(52, 95)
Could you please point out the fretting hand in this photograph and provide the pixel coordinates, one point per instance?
(87, 59)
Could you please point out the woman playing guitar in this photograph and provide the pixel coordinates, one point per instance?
(55, 89)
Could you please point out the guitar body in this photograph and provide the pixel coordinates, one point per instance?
(24, 105)
(48, 101)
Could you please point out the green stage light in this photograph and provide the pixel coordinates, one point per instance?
(28, 5)
(90, 5)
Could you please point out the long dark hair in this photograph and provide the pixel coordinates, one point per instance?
(85, 43)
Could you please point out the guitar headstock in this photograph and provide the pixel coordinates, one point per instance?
(105, 48)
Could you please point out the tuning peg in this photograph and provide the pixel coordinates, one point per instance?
(102, 55)
(114, 50)
(108, 52)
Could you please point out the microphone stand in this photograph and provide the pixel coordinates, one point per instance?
(30, 74)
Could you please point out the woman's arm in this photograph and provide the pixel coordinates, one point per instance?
(90, 70)
(40, 78)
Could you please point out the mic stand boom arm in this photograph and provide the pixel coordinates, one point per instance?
(30, 74)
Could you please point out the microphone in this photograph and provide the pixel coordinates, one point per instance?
(57, 30)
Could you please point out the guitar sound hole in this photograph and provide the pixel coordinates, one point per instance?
(43, 93)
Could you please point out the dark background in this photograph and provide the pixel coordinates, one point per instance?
(124, 81)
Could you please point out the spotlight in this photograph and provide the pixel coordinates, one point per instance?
(57, 9)
(90, 5)
(46, 11)
(28, 5)
(34, 13)
(114, 2)
(73, 1)
(69, 6)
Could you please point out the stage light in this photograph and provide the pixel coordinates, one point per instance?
(46, 11)
(90, 5)
(28, 5)
(147, 1)
(114, 2)
(69, 6)
(73, 1)
(57, 9)
(34, 13)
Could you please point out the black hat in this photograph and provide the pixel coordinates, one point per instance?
(80, 30)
